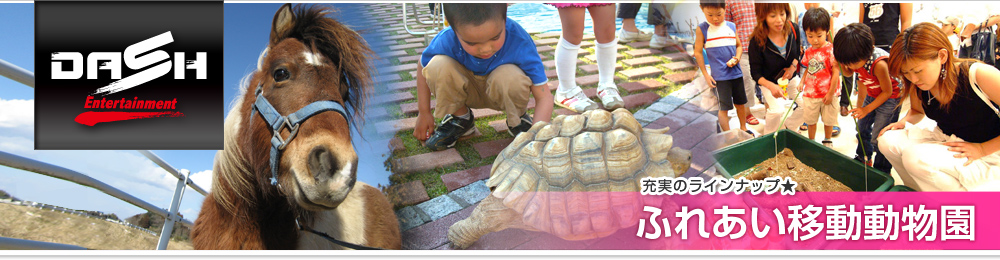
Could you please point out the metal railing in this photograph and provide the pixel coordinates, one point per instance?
(16, 73)
(436, 22)
(15, 161)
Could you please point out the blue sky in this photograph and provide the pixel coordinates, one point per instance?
(246, 31)
(16, 46)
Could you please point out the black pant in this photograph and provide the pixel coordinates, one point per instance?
(628, 10)
(730, 92)
(845, 89)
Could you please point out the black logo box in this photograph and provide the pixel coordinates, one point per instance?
(87, 27)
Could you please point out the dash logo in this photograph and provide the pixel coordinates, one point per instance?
(141, 55)
(133, 60)
(129, 75)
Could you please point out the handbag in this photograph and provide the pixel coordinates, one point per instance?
(983, 47)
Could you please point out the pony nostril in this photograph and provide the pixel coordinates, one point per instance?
(321, 163)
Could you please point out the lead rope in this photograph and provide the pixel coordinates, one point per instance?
(334, 240)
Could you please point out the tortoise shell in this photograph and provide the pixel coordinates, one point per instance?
(578, 177)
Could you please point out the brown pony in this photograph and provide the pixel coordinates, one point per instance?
(310, 58)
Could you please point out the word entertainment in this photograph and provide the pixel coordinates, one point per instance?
(135, 103)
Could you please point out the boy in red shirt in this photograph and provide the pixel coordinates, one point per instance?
(822, 75)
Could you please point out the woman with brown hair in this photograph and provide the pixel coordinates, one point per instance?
(961, 95)
(774, 48)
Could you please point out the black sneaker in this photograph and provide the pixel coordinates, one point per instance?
(524, 126)
(451, 128)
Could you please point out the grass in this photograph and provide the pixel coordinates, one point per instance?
(31, 223)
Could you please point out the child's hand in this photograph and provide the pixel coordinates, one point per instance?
(859, 113)
(710, 80)
(890, 127)
(828, 100)
(424, 127)
(732, 62)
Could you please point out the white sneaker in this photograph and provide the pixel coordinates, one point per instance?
(610, 97)
(575, 100)
(658, 42)
(626, 36)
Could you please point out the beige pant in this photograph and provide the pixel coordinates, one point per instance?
(814, 109)
(925, 164)
(506, 89)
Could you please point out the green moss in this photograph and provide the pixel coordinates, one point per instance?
(405, 75)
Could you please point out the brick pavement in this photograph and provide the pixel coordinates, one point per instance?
(645, 76)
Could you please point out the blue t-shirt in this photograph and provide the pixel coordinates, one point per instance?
(518, 49)
(720, 45)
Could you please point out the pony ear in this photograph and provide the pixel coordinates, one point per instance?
(283, 22)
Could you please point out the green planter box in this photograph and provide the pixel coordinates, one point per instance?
(901, 188)
(740, 157)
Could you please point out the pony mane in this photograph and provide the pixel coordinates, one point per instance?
(237, 184)
(348, 51)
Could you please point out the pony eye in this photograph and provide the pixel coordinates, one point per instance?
(281, 75)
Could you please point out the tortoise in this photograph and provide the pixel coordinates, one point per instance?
(577, 178)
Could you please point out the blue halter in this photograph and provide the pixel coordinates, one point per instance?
(277, 122)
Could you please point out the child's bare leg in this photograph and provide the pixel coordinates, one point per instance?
(628, 24)
(827, 132)
(724, 119)
(741, 114)
(604, 22)
(812, 131)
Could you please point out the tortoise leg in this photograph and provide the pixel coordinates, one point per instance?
(490, 216)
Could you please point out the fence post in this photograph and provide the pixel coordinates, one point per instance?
(175, 203)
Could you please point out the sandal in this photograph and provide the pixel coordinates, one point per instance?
(836, 131)
(751, 133)
(828, 143)
(804, 127)
(752, 120)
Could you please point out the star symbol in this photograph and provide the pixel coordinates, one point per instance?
(788, 187)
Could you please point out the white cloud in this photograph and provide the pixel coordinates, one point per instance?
(189, 214)
(15, 144)
(16, 122)
(17, 113)
(203, 179)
